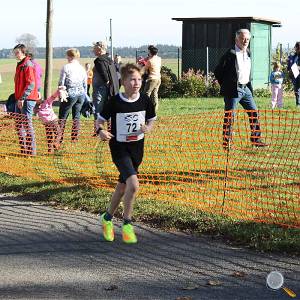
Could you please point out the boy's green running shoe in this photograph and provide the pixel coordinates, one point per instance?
(128, 234)
(107, 229)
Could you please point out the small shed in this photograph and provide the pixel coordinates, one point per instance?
(205, 40)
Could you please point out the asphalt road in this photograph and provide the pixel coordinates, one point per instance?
(46, 253)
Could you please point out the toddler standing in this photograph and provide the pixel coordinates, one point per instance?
(276, 79)
(47, 115)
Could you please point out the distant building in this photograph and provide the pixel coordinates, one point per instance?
(216, 35)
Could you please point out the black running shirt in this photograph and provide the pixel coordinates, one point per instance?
(127, 116)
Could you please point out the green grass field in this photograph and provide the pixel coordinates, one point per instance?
(188, 160)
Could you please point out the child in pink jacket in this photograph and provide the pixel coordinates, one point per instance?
(47, 115)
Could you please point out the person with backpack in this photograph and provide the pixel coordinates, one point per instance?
(105, 79)
(26, 95)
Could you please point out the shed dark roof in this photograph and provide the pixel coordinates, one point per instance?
(218, 19)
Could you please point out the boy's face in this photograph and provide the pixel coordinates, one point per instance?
(132, 83)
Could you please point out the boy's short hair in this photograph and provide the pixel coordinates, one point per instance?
(21, 47)
(297, 45)
(129, 69)
(153, 50)
(73, 52)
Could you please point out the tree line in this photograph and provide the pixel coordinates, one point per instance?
(165, 51)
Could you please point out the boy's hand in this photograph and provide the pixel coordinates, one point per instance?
(145, 128)
(105, 135)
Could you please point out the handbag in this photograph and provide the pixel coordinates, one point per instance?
(88, 108)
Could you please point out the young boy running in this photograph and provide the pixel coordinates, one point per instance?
(132, 115)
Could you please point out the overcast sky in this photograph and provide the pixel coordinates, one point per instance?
(134, 22)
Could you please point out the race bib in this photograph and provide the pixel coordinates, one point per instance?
(129, 126)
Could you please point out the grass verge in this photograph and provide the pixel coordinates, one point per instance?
(168, 216)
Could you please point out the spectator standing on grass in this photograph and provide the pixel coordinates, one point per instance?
(233, 74)
(89, 74)
(26, 95)
(294, 68)
(276, 79)
(105, 80)
(38, 73)
(153, 67)
(73, 77)
(132, 116)
(141, 62)
(118, 63)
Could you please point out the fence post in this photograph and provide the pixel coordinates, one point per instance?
(207, 65)
(136, 55)
(178, 63)
(280, 49)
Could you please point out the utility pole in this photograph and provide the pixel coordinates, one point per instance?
(111, 40)
(49, 50)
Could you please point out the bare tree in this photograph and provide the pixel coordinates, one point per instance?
(29, 40)
(49, 50)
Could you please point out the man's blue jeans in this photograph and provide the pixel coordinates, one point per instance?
(25, 129)
(245, 98)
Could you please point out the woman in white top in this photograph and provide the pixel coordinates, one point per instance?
(73, 77)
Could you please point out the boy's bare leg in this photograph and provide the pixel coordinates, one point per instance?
(116, 198)
(132, 187)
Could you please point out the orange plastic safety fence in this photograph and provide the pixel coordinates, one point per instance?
(184, 161)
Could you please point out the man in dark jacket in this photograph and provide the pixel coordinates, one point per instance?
(294, 60)
(233, 75)
(105, 79)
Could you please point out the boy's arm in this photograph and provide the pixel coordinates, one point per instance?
(148, 126)
(30, 83)
(101, 131)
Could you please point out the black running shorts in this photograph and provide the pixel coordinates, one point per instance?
(127, 157)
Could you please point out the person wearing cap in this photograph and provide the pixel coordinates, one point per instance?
(105, 80)
(294, 64)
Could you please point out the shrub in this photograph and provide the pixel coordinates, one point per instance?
(191, 84)
(262, 93)
(168, 80)
(213, 87)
